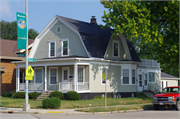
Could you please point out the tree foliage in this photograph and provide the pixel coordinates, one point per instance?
(152, 25)
(9, 31)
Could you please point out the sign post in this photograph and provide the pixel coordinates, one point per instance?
(106, 76)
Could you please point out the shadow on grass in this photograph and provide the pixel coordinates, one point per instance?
(164, 108)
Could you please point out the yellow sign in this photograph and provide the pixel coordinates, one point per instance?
(29, 71)
(28, 78)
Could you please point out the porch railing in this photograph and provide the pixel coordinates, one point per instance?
(31, 87)
(149, 63)
(83, 86)
(63, 86)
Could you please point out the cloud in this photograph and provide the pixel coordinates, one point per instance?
(5, 8)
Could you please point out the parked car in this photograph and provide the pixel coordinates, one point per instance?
(169, 97)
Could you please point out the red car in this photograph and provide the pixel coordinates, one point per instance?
(169, 97)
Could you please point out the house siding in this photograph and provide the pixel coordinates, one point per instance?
(109, 52)
(75, 45)
(115, 80)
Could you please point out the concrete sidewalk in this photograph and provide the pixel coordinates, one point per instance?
(65, 111)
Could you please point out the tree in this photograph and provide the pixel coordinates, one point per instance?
(154, 24)
(9, 31)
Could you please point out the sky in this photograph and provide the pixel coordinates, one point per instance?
(41, 12)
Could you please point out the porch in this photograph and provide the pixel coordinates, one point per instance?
(63, 76)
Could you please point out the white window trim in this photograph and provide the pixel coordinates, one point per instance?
(65, 68)
(54, 48)
(50, 75)
(101, 75)
(154, 77)
(35, 75)
(114, 41)
(83, 75)
(129, 77)
(62, 47)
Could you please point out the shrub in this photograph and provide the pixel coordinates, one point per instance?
(72, 95)
(57, 94)
(20, 95)
(33, 95)
(51, 102)
(6, 94)
(141, 95)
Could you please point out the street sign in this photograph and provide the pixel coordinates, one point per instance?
(21, 30)
(28, 78)
(31, 60)
(22, 55)
(29, 71)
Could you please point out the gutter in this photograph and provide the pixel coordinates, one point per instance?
(81, 59)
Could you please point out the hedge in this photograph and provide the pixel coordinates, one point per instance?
(72, 95)
(51, 102)
(33, 95)
(57, 94)
(20, 95)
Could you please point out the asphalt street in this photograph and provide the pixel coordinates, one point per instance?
(148, 114)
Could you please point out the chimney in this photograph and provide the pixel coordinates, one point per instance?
(93, 20)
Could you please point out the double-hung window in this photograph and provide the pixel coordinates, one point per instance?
(81, 75)
(38, 76)
(65, 48)
(151, 77)
(53, 75)
(52, 47)
(125, 76)
(133, 76)
(115, 49)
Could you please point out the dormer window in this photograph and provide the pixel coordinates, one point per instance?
(52, 47)
(65, 48)
(115, 49)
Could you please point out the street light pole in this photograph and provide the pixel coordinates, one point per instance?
(26, 106)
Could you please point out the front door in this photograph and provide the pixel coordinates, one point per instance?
(145, 81)
(140, 87)
(65, 79)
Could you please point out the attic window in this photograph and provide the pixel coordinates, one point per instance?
(58, 29)
(115, 49)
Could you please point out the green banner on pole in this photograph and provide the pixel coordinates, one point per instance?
(21, 30)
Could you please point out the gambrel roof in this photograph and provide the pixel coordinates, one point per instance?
(95, 38)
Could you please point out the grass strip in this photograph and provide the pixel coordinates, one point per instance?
(120, 108)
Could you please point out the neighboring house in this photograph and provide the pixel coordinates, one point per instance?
(9, 53)
(7, 69)
(168, 80)
(73, 55)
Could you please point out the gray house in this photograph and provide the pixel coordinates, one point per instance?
(73, 55)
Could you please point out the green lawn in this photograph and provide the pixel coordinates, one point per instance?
(65, 104)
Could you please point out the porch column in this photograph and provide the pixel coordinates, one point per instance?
(45, 79)
(75, 77)
(17, 79)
